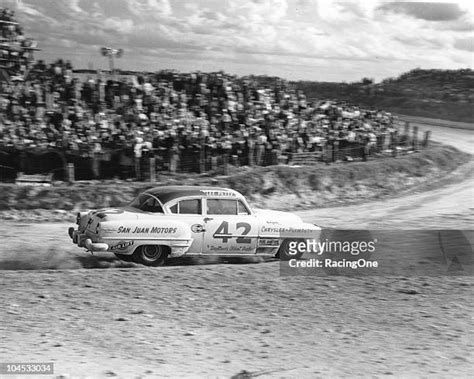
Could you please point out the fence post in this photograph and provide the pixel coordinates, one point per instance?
(335, 150)
(95, 165)
(226, 163)
(406, 133)
(365, 151)
(394, 140)
(274, 157)
(138, 173)
(173, 162)
(407, 128)
(415, 138)
(70, 173)
(251, 147)
(395, 151)
(202, 159)
(235, 160)
(152, 169)
(381, 143)
(213, 164)
(426, 141)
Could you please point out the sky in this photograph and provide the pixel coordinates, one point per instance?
(322, 40)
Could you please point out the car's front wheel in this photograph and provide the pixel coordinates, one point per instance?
(151, 255)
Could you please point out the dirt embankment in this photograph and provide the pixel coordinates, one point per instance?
(278, 187)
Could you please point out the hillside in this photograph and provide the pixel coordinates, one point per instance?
(444, 94)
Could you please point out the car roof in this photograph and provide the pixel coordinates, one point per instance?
(169, 193)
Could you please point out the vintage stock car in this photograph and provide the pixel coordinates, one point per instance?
(173, 221)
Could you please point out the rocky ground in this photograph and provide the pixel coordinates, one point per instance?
(99, 317)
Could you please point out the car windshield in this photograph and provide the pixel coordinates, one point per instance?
(148, 203)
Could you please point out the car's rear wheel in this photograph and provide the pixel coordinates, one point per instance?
(284, 252)
(124, 257)
(151, 255)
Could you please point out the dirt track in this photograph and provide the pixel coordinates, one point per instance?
(215, 320)
(447, 207)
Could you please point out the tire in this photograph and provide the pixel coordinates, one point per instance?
(284, 250)
(151, 255)
(124, 257)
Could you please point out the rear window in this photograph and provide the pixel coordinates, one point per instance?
(147, 203)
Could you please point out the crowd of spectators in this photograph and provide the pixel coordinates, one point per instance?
(175, 117)
(15, 49)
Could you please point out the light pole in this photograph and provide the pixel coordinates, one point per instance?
(111, 53)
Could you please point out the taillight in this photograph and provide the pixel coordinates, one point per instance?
(78, 218)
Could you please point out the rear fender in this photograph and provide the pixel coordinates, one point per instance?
(125, 237)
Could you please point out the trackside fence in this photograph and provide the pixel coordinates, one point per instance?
(66, 166)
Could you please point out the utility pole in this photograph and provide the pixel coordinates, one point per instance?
(111, 53)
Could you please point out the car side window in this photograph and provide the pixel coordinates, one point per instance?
(188, 207)
(152, 205)
(221, 207)
(242, 210)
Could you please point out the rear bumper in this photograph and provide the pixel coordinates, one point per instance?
(77, 237)
(82, 240)
(92, 246)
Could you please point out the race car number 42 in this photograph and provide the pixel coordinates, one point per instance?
(222, 232)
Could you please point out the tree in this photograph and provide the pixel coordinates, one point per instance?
(367, 81)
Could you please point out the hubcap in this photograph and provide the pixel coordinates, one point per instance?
(151, 252)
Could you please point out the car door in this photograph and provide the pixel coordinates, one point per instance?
(190, 212)
(229, 228)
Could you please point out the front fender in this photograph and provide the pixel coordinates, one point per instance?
(289, 230)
